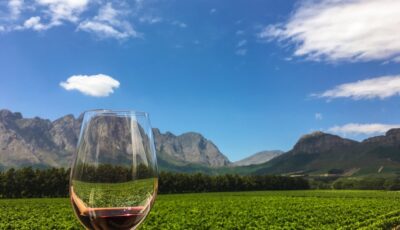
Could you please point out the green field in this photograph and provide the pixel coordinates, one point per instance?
(241, 210)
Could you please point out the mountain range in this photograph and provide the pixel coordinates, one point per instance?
(321, 153)
(40, 142)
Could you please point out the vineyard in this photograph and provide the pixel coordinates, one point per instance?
(240, 210)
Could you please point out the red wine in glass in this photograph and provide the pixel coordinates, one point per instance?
(114, 177)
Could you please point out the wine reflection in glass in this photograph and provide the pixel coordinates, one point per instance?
(114, 175)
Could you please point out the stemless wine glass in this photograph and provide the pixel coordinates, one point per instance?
(114, 176)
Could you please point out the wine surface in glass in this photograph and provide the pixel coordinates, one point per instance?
(119, 218)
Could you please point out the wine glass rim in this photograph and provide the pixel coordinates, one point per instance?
(116, 112)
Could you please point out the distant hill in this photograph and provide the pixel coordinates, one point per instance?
(258, 158)
(40, 143)
(321, 153)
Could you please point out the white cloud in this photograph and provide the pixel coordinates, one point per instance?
(213, 11)
(113, 19)
(15, 7)
(180, 24)
(46, 13)
(35, 24)
(241, 43)
(318, 116)
(99, 85)
(103, 30)
(241, 52)
(362, 129)
(60, 10)
(107, 13)
(380, 87)
(342, 30)
(150, 19)
(107, 24)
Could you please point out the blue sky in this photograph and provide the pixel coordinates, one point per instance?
(248, 75)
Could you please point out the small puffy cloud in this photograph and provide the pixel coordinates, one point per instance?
(107, 24)
(241, 52)
(99, 85)
(35, 24)
(150, 19)
(380, 87)
(213, 11)
(362, 129)
(241, 43)
(179, 23)
(341, 30)
(318, 116)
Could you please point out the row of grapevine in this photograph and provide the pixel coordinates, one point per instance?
(233, 210)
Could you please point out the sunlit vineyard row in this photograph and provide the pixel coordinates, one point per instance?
(241, 210)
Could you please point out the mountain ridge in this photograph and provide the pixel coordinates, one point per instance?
(41, 142)
(319, 153)
(258, 158)
(44, 143)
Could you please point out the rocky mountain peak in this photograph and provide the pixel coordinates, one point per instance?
(391, 138)
(190, 147)
(66, 118)
(394, 133)
(318, 142)
(314, 134)
(193, 135)
(156, 132)
(65, 132)
(7, 115)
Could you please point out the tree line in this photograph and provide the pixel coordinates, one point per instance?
(54, 182)
(188, 183)
(28, 183)
(368, 183)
